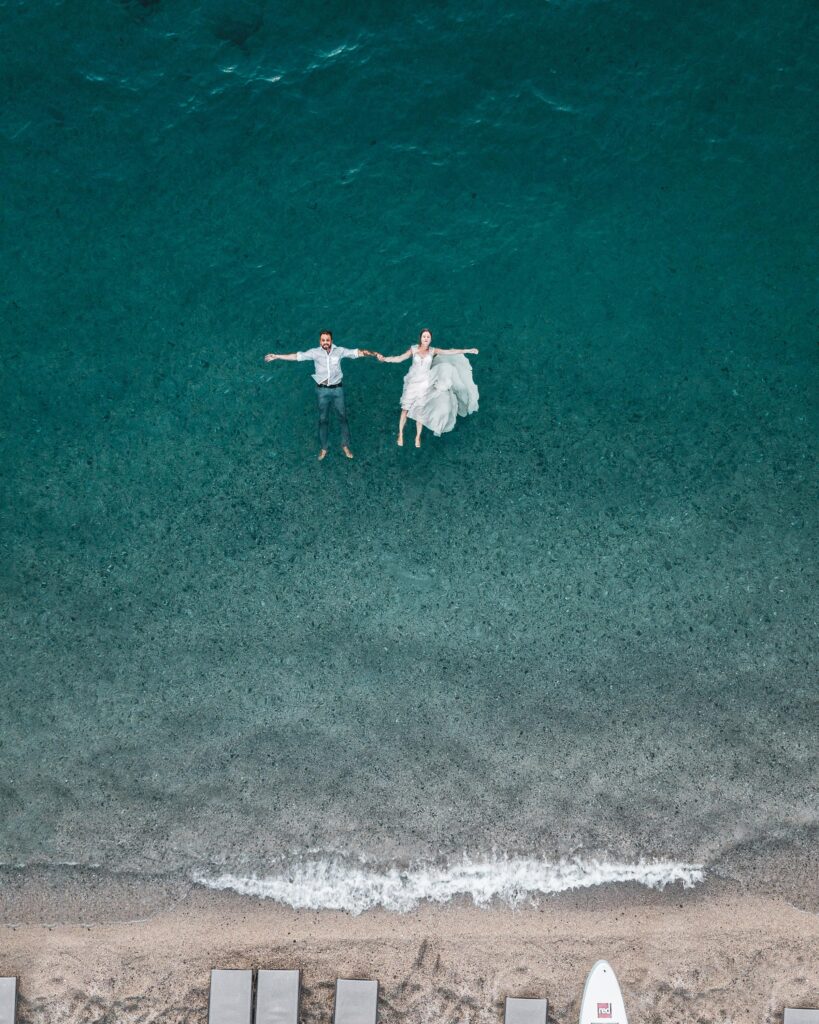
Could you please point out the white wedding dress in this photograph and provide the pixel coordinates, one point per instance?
(438, 390)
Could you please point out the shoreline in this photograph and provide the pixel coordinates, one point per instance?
(783, 866)
(714, 953)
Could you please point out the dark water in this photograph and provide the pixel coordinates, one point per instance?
(583, 622)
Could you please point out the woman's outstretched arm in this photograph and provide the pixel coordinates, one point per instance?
(455, 351)
(395, 359)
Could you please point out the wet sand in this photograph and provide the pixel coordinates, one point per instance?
(711, 955)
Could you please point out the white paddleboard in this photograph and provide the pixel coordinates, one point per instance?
(602, 999)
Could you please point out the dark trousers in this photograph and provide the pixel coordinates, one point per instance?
(327, 398)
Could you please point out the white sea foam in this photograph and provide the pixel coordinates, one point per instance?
(334, 884)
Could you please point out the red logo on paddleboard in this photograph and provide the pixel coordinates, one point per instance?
(604, 1011)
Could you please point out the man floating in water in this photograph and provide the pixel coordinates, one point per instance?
(329, 384)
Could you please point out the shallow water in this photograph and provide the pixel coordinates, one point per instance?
(582, 623)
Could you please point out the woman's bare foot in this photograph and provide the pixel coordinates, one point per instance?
(417, 442)
(400, 441)
(322, 454)
(347, 451)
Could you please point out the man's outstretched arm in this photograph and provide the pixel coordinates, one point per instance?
(352, 353)
(292, 357)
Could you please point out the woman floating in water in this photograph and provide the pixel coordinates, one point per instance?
(437, 389)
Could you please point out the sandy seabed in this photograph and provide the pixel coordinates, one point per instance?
(714, 955)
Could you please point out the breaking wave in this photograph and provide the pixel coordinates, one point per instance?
(333, 884)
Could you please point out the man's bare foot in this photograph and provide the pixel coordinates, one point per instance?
(322, 454)
(417, 442)
(400, 441)
(347, 451)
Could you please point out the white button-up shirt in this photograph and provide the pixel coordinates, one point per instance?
(328, 364)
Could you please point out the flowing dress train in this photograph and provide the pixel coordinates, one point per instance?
(438, 390)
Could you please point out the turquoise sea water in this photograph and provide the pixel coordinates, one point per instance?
(582, 624)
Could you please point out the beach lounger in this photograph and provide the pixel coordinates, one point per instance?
(526, 1011)
(356, 1002)
(793, 1016)
(8, 1000)
(277, 997)
(231, 995)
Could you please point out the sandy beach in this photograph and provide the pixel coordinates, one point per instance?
(707, 956)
